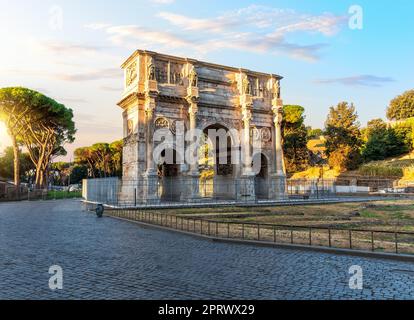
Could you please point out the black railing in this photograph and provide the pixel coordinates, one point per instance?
(355, 239)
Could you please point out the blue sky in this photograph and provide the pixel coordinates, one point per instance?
(72, 50)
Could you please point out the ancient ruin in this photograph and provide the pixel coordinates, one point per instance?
(165, 92)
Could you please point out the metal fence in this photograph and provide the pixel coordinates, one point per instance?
(40, 194)
(355, 239)
(182, 190)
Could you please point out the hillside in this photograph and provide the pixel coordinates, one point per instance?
(398, 168)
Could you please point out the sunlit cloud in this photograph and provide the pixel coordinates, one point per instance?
(255, 28)
(360, 80)
(262, 17)
(110, 73)
(59, 48)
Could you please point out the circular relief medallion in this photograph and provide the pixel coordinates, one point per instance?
(162, 123)
(266, 134)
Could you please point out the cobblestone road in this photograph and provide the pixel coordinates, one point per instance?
(112, 259)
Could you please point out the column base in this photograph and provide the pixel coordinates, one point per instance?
(150, 188)
(191, 187)
(246, 188)
(277, 186)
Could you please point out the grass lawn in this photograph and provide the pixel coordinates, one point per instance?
(391, 215)
(52, 195)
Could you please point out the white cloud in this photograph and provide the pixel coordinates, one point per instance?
(253, 29)
(60, 48)
(262, 17)
(365, 80)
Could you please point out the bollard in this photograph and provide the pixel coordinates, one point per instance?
(99, 210)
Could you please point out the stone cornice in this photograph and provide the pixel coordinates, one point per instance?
(199, 63)
(130, 98)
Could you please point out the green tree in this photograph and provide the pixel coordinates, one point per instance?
(78, 173)
(12, 108)
(314, 133)
(101, 159)
(401, 107)
(7, 165)
(83, 157)
(295, 138)
(116, 148)
(40, 123)
(343, 137)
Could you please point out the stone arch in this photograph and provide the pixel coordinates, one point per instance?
(219, 183)
(169, 169)
(261, 169)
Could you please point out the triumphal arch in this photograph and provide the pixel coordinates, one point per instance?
(169, 94)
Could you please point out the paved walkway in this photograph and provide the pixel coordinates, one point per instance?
(112, 259)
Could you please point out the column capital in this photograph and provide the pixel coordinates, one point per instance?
(278, 113)
(149, 106)
(193, 109)
(246, 116)
(246, 100)
(151, 87)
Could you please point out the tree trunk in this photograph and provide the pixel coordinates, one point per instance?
(16, 166)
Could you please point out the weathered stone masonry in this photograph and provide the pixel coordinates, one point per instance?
(161, 90)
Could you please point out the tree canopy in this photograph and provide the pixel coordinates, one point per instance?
(102, 159)
(401, 107)
(343, 137)
(39, 123)
(295, 138)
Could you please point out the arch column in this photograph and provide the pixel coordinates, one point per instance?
(278, 178)
(246, 184)
(192, 179)
(150, 180)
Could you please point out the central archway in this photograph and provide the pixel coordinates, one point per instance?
(217, 169)
(260, 167)
(169, 187)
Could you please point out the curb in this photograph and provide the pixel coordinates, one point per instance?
(338, 251)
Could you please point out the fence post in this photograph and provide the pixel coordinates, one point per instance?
(291, 235)
(243, 231)
(310, 236)
(372, 241)
(217, 229)
(258, 232)
(330, 241)
(228, 230)
(274, 234)
(350, 239)
(396, 242)
(201, 226)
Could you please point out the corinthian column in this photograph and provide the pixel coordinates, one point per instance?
(149, 122)
(150, 186)
(247, 158)
(192, 114)
(246, 184)
(193, 176)
(278, 118)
